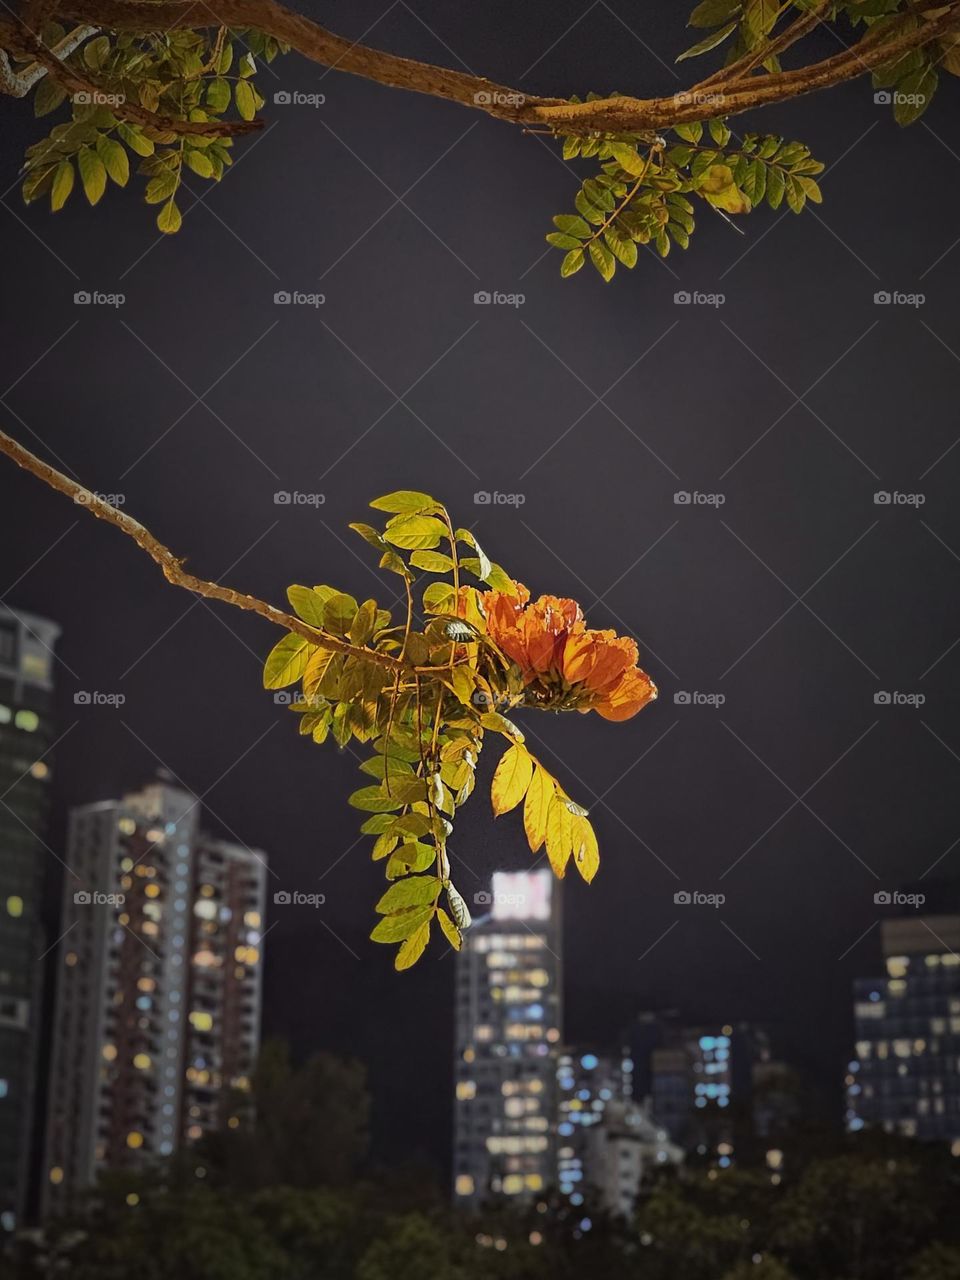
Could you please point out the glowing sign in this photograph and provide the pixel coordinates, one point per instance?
(521, 895)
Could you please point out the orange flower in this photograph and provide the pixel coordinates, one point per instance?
(563, 663)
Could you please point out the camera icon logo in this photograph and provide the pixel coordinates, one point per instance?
(682, 298)
(882, 698)
(883, 97)
(81, 698)
(282, 299)
(482, 498)
(282, 98)
(281, 897)
(681, 698)
(82, 98)
(882, 498)
(283, 698)
(483, 898)
(82, 898)
(281, 498)
(681, 498)
(882, 298)
(82, 298)
(882, 898)
(682, 898)
(482, 99)
(482, 699)
(482, 298)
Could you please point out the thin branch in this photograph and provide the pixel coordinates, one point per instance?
(172, 567)
(17, 84)
(740, 69)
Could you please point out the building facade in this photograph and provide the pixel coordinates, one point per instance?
(26, 738)
(905, 1074)
(508, 1031)
(607, 1142)
(156, 1022)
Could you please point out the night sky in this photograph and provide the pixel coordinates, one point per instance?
(797, 600)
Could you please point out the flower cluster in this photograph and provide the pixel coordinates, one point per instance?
(565, 664)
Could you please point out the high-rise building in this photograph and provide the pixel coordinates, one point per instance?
(26, 737)
(606, 1141)
(156, 1025)
(905, 1075)
(508, 1029)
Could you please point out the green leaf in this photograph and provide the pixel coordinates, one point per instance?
(603, 260)
(560, 241)
(218, 95)
(776, 185)
(115, 160)
(339, 612)
(201, 164)
(572, 263)
(415, 532)
(396, 928)
(711, 12)
(719, 132)
(689, 132)
(628, 158)
(375, 800)
(286, 661)
(361, 629)
(484, 567)
(62, 185)
(405, 500)
(135, 140)
(710, 42)
(413, 948)
(624, 251)
(169, 219)
(571, 225)
(458, 908)
(438, 597)
(245, 97)
(93, 175)
(414, 891)
(50, 94)
(810, 189)
(370, 535)
(96, 52)
(307, 604)
(914, 94)
(432, 561)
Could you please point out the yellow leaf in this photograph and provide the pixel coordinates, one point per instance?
(536, 807)
(413, 948)
(586, 852)
(717, 178)
(732, 199)
(511, 780)
(559, 835)
(450, 930)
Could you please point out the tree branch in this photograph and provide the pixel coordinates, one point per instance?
(617, 114)
(17, 84)
(173, 569)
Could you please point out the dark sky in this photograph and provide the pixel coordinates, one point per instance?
(797, 600)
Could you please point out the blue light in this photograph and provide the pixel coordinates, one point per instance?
(589, 1061)
(724, 1162)
(874, 996)
(565, 1130)
(708, 1042)
(583, 1095)
(585, 1224)
(855, 1125)
(576, 1198)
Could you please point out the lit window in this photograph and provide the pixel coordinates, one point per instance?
(5, 714)
(152, 890)
(201, 1021)
(15, 906)
(133, 1199)
(134, 1140)
(464, 1185)
(39, 770)
(141, 1061)
(466, 1089)
(56, 1175)
(109, 1052)
(27, 720)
